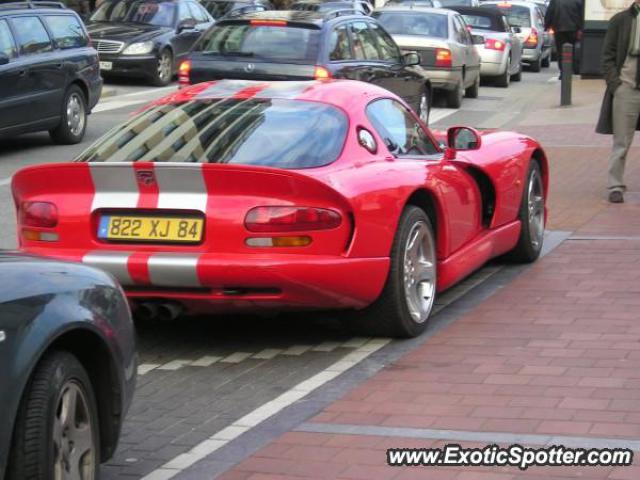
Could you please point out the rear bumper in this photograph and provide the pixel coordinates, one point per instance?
(209, 282)
(443, 79)
(493, 62)
(531, 54)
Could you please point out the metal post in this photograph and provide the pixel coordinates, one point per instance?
(567, 74)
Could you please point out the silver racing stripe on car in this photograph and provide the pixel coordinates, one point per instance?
(229, 88)
(114, 263)
(285, 90)
(181, 186)
(174, 270)
(115, 185)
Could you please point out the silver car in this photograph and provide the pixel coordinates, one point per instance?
(500, 50)
(529, 20)
(448, 54)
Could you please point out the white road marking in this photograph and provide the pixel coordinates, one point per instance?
(326, 347)
(438, 114)
(267, 353)
(174, 365)
(147, 367)
(205, 361)
(130, 99)
(262, 413)
(236, 357)
(355, 342)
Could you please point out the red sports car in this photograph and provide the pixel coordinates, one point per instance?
(292, 195)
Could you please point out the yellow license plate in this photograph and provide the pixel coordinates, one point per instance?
(150, 229)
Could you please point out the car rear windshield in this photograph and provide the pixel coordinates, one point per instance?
(481, 22)
(414, 23)
(517, 15)
(145, 12)
(288, 134)
(262, 42)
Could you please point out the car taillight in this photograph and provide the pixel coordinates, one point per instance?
(532, 39)
(291, 219)
(184, 72)
(268, 23)
(443, 57)
(493, 44)
(38, 214)
(321, 73)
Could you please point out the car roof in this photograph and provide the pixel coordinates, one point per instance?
(486, 10)
(516, 3)
(294, 16)
(415, 8)
(331, 92)
(31, 7)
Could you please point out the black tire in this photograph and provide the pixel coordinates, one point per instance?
(162, 77)
(516, 77)
(426, 96)
(505, 79)
(546, 61)
(73, 119)
(530, 243)
(389, 315)
(474, 90)
(33, 450)
(536, 66)
(454, 97)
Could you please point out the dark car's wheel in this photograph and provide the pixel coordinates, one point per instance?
(454, 97)
(404, 306)
(424, 107)
(531, 216)
(56, 434)
(536, 65)
(474, 90)
(504, 79)
(73, 121)
(164, 69)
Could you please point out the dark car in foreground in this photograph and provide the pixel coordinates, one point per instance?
(146, 38)
(49, 75)
(68, 360)
(300, 45)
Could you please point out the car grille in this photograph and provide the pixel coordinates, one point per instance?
(108, 46)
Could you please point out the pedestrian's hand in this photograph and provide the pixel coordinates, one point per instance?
(579, 35)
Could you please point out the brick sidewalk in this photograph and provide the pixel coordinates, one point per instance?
(552, 357)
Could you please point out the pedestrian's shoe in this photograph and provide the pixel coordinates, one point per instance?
(615, 196)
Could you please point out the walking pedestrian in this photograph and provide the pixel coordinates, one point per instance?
(621, 104)
(565, 18)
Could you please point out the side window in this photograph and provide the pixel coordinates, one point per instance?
(461, 29)
(198, 13)
(399, 129)
(67, 31)
(31, 35)
(388, 49)
(364, 44)
(7, 45)
(184, 13)
(339, 47)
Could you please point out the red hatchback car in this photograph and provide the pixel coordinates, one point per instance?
(293, 195)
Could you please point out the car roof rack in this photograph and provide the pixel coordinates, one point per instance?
(341, 13)
(30, 5)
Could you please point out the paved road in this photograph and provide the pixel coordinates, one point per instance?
(201, 377)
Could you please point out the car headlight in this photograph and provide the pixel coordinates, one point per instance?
(138, 48)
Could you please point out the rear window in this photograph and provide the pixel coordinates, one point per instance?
(414, 23)
(517, 15)
(271, 43)
(480, 22)
(272, 133)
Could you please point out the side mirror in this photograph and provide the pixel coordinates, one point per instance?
(463, 138)
(516, 29)
(411, 58)
(4, 59)
(186, 25)
(477, 39)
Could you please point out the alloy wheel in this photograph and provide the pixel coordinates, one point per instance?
(164, 67)
(419, 272)
(75, 114)
(74, 450)
(535, 204)
(424, 108)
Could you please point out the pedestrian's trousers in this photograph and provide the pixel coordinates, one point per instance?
(626, 110)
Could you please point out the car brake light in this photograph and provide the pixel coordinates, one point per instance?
(532, 39)
(493, 44)
(321, 73)
(291, 219)
(184, 73)
(268, 23)
(38, 214)
(443, 57)
(551, 31)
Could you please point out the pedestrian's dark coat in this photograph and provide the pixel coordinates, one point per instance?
(564, 15)
(616, 46)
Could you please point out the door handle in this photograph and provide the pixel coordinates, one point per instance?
(59, 65)
(22, 73)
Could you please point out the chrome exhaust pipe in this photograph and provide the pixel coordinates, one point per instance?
(146, 311)
(168, 312)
